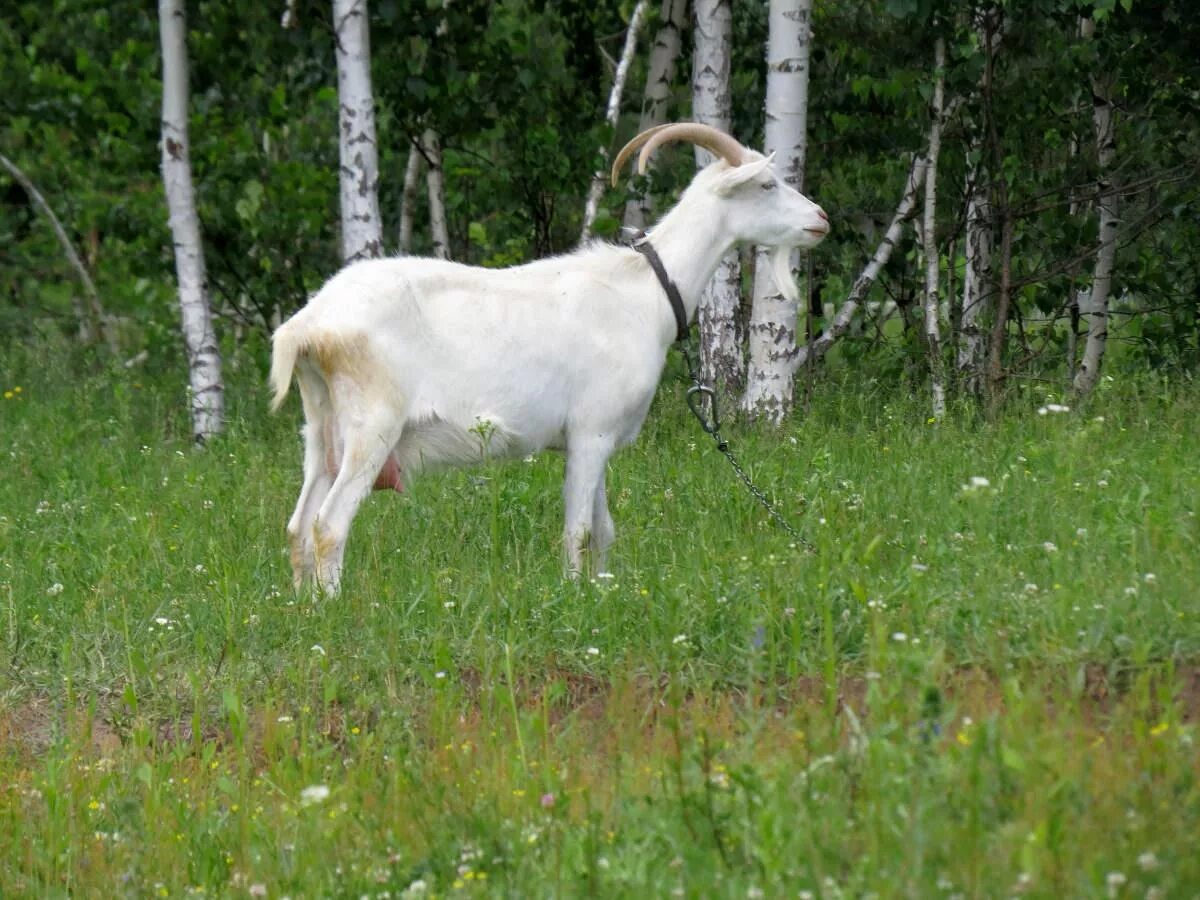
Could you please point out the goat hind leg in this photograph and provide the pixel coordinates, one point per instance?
(603, 530)
(318, 442)
(368, 443)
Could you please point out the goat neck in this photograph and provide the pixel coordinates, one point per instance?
(690, 240)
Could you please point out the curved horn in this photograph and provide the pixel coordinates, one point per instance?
(711, 139)
(629, 149)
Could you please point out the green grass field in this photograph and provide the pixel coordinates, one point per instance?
(983, 681)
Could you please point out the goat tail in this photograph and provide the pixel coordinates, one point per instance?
(286, 346)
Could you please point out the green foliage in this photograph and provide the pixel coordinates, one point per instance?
(517, 89)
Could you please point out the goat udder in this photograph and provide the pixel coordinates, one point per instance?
(388, 479)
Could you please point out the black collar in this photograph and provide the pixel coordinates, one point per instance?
(642, 245)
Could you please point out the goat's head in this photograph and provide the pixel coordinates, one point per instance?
(757, 206)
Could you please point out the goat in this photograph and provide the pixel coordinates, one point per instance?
(404, 363)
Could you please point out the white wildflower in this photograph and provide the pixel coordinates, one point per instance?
(680, 639)
(55, 589)
(593, 651)
(317, 648)
(1053, 408)
(899, 637)
(314, 793)
(1147, 861)
(417, 889)
(1115, 881)
(1049, 546)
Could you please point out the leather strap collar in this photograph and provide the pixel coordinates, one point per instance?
(643, 246)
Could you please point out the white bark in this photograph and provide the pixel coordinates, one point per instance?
(362, 233)
(290, 18)
(722, 362)
(845, 315)
(90, 313)
(408, 199)
(933, 336)
(1106, 254)
(200, 340)
(772, 333)
(977, 286)
(435, 180)
(977, 281)
(660, 78)
(592, 206)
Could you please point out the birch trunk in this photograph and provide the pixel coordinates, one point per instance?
(408, 199)
(722, 362)
(845, 314)
(592, 207)
(200, 340)
(1097, 299)
(435, 181)
(362, 233)
(660, 77)
(976, 286)
(89, 312)
(772, 333)
(933, 337)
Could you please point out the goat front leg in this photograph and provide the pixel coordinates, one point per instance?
(586, 461)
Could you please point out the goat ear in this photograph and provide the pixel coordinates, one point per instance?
(736, 176)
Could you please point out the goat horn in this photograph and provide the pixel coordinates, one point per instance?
(711, 139)
(629, 149)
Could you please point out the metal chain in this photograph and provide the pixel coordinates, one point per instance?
(711, 423)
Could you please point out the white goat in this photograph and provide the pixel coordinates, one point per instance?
(403, 363)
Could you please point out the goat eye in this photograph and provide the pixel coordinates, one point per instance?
(769, 186)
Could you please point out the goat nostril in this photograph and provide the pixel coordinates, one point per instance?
(821, 213)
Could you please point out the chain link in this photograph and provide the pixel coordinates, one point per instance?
(711, 423)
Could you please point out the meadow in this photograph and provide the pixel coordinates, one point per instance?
(982, 680)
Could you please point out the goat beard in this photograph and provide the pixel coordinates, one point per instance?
(781, 271)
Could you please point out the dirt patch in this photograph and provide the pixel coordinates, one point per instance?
(32, 727)
(570, 699)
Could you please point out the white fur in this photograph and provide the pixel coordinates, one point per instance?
(436, 362)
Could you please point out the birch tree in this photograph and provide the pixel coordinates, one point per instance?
(592, 206)
(933, 337)
(408, 199)
(870, 273)
(772, 332)
(977, 286)
(660, 78)
(362, 232)
(722, 362)
(436, 183)
(200, 340)
(1095, 303)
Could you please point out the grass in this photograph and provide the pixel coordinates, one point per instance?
(966, 688)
